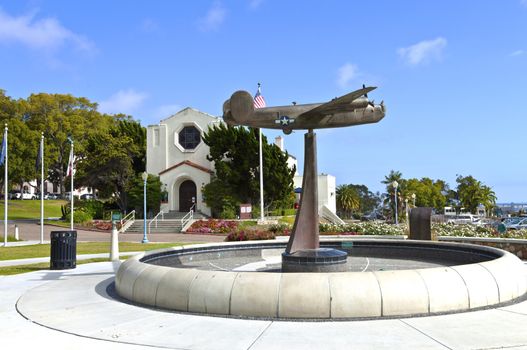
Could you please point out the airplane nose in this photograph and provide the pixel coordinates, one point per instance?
(380, 111)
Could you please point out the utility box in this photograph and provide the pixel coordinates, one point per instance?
(421, 224)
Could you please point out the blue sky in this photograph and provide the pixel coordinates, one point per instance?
(453, 74)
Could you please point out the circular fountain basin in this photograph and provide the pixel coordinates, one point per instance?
(383, 278)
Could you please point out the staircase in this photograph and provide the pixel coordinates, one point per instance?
(171, 223)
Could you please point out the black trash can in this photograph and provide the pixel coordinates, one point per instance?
(63, 250)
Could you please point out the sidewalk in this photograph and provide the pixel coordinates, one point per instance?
(16, 262)
(77, 309)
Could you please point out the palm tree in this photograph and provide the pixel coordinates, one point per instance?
(348, 199)
(390, 190)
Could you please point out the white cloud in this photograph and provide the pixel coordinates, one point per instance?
(517, 52)
(423, 52)
(123, 101)
(214, 18)
(254, 4)
(346, 73)
(45, 33)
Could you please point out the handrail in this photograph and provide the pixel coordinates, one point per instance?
(188, 216)
(127, 221)
(155, 219)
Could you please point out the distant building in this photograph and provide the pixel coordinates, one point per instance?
(176, 152)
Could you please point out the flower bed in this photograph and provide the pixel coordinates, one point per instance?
(213, 226)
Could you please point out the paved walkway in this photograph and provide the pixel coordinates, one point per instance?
(74, 309)
(31, 232)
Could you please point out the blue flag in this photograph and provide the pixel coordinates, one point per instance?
(3, 151)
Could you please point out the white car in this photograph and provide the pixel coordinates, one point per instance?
(27, 195)
(518, 224)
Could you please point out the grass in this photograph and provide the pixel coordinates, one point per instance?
(30, 209)
(43, 250)
(287, 220)
(14, 270)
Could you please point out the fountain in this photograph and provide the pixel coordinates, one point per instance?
(308, 279)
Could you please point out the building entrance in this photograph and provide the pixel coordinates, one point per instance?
(187, 195)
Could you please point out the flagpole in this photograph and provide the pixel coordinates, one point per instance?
(41, 155)
(6, 194)
(261, 177)
(71, 193)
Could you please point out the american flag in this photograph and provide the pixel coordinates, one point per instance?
(259, 101)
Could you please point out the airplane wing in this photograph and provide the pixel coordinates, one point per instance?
(335, 105)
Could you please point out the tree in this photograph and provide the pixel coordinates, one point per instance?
(22, 141)
(390, 191)
(234, 151)
(369, 201)
(472, 193)
(110, 158)
(348, 199)
(61, 116)
(135, 192)
(428, 193)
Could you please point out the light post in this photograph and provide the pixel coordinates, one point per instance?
(413, 198)
(395, 184)
(406, 209)
(144, 176)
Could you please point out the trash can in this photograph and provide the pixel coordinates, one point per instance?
(63, 250)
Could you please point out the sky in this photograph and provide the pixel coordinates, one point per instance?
(452, 74)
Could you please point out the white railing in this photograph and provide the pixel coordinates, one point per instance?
(187, 217)
(127, 221)
(155, 220)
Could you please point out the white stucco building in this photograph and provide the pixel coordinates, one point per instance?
(176, 152)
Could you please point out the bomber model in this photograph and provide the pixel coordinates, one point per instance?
(351, 109)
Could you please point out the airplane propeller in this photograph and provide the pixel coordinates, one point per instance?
(364, 87)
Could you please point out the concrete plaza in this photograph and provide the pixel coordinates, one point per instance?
(75, 309)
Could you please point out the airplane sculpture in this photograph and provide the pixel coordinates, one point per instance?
(351, 109)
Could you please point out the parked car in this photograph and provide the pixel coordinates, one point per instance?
(87, 196)
(15, 195)
(27, 195)
(518, 224)
(46, 196)
(53, 196)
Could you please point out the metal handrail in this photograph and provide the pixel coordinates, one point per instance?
(188, 216)
(155, 219)
(127, 221)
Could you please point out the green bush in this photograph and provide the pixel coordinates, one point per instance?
(228, 212)
(79, 217)
(93, 207)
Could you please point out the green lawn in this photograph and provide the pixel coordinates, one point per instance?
(30, 209)
(14, 270)
(42, 250)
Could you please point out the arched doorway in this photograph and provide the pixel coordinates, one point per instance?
(187, 195)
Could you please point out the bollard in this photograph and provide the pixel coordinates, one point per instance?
(16, 233)
(114, 252)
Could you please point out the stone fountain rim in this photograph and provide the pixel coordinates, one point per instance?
(341, 295)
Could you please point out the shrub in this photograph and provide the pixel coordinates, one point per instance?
(249, 235)
(93, 207)
(280, 229)
(212, 226)
(79, 217)
(228, 212)
(363, 228)
(102, 225)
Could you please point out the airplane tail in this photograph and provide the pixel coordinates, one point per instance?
(238, 108)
